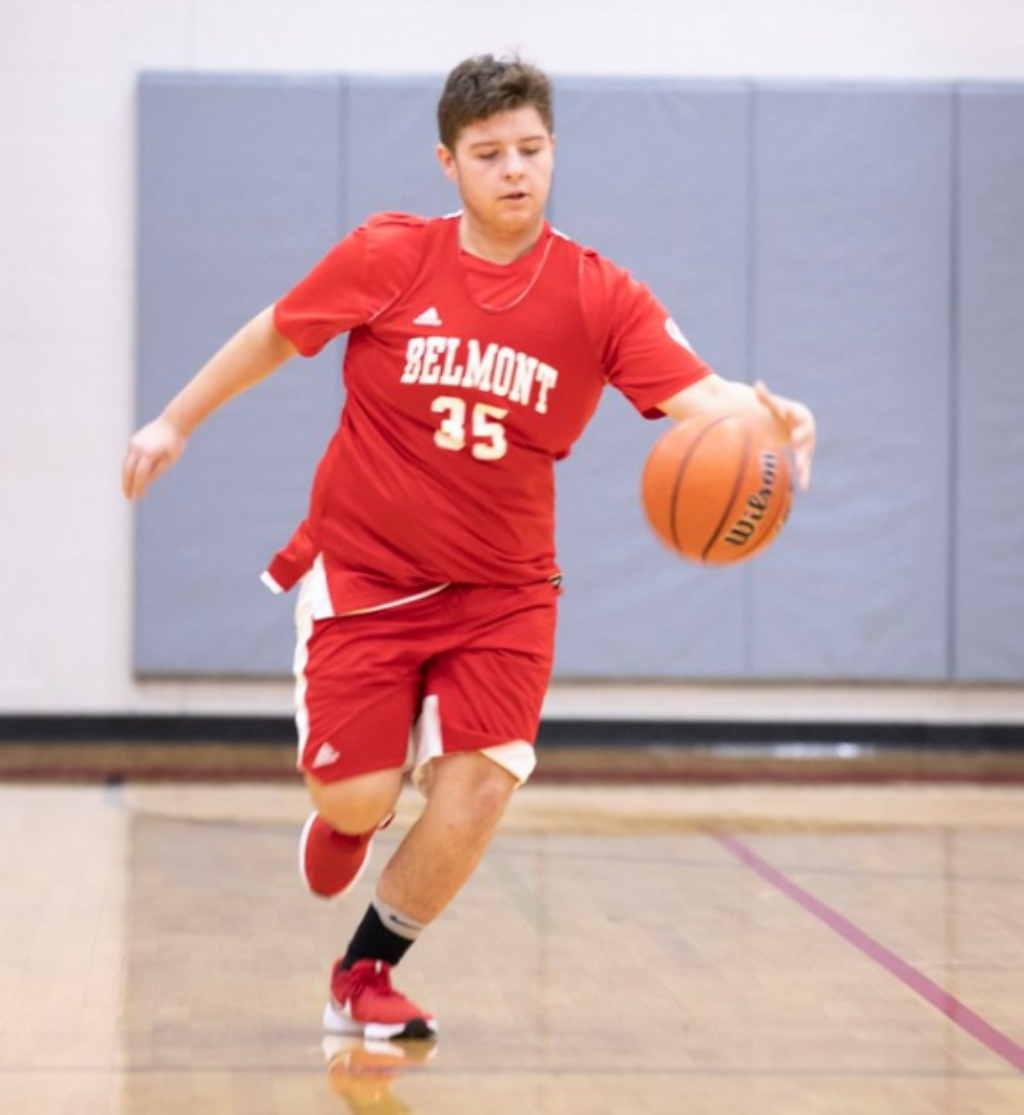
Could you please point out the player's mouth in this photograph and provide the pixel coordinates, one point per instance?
(515, 195)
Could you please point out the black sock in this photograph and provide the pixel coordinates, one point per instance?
(374, 941)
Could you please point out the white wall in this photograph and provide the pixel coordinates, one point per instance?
(67, 135)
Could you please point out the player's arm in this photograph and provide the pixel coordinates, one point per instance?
(714, 394)
(645, 355)
(252, 354)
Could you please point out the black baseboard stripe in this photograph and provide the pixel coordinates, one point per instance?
(191, 730)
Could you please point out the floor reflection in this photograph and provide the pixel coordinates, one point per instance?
(362, 1072)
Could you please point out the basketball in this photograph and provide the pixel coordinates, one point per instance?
(717, 488)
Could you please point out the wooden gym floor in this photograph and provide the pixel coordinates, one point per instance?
(641, 945)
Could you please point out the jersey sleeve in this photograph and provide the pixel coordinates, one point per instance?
(359, 277)
(643, 352)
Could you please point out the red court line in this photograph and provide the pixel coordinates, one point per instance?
(951, 1007)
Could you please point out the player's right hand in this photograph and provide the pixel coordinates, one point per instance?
(151, 452)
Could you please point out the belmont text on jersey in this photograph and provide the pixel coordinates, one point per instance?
(496, 369)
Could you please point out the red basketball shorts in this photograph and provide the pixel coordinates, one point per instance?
(464, 669)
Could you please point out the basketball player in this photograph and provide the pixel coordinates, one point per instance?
(478, 347)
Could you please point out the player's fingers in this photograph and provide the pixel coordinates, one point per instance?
(126, 474)
(128, 470)
(780, 407)
(802, 455)
(804, 439)
(800, 424)
(144, 473)
(776, 405)
(140, 478)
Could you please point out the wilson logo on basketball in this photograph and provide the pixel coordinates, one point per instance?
(758, 503)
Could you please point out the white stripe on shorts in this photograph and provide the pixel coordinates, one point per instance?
(303, 633)
(518, 757)
(313, 603)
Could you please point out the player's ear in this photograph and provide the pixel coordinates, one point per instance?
(447, 161)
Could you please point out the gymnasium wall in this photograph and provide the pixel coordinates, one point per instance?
(69, 272)
(826, 237)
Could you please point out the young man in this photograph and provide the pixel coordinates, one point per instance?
(478, 347)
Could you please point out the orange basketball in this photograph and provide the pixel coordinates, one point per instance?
(717, 488)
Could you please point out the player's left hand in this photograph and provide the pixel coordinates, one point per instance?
(798, 420)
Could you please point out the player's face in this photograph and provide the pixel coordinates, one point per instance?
(502, 167)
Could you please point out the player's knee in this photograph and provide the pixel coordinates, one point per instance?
(473, 790)
(483, 811)
(359, 804)
(488, 807)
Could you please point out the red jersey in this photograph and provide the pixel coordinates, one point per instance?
(465, 381)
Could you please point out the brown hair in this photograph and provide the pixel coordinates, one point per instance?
(480, 87)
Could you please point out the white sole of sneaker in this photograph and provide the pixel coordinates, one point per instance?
(338, 1022)
(302, 864)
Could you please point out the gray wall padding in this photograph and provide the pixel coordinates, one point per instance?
(988, 630)
(851, 299)
(239, 194)
(631, 609)
(391, 163)
(806, 234)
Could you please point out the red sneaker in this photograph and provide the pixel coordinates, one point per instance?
(363, 1001)
(330, 862)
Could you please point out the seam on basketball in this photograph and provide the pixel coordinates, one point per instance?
(680, 473)
(737, 482)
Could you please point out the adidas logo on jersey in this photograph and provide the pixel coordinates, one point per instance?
(325, 756)
(428, 317)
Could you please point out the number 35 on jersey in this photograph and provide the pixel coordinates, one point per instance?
(483, 432)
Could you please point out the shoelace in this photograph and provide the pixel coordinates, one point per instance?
(376, 978)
